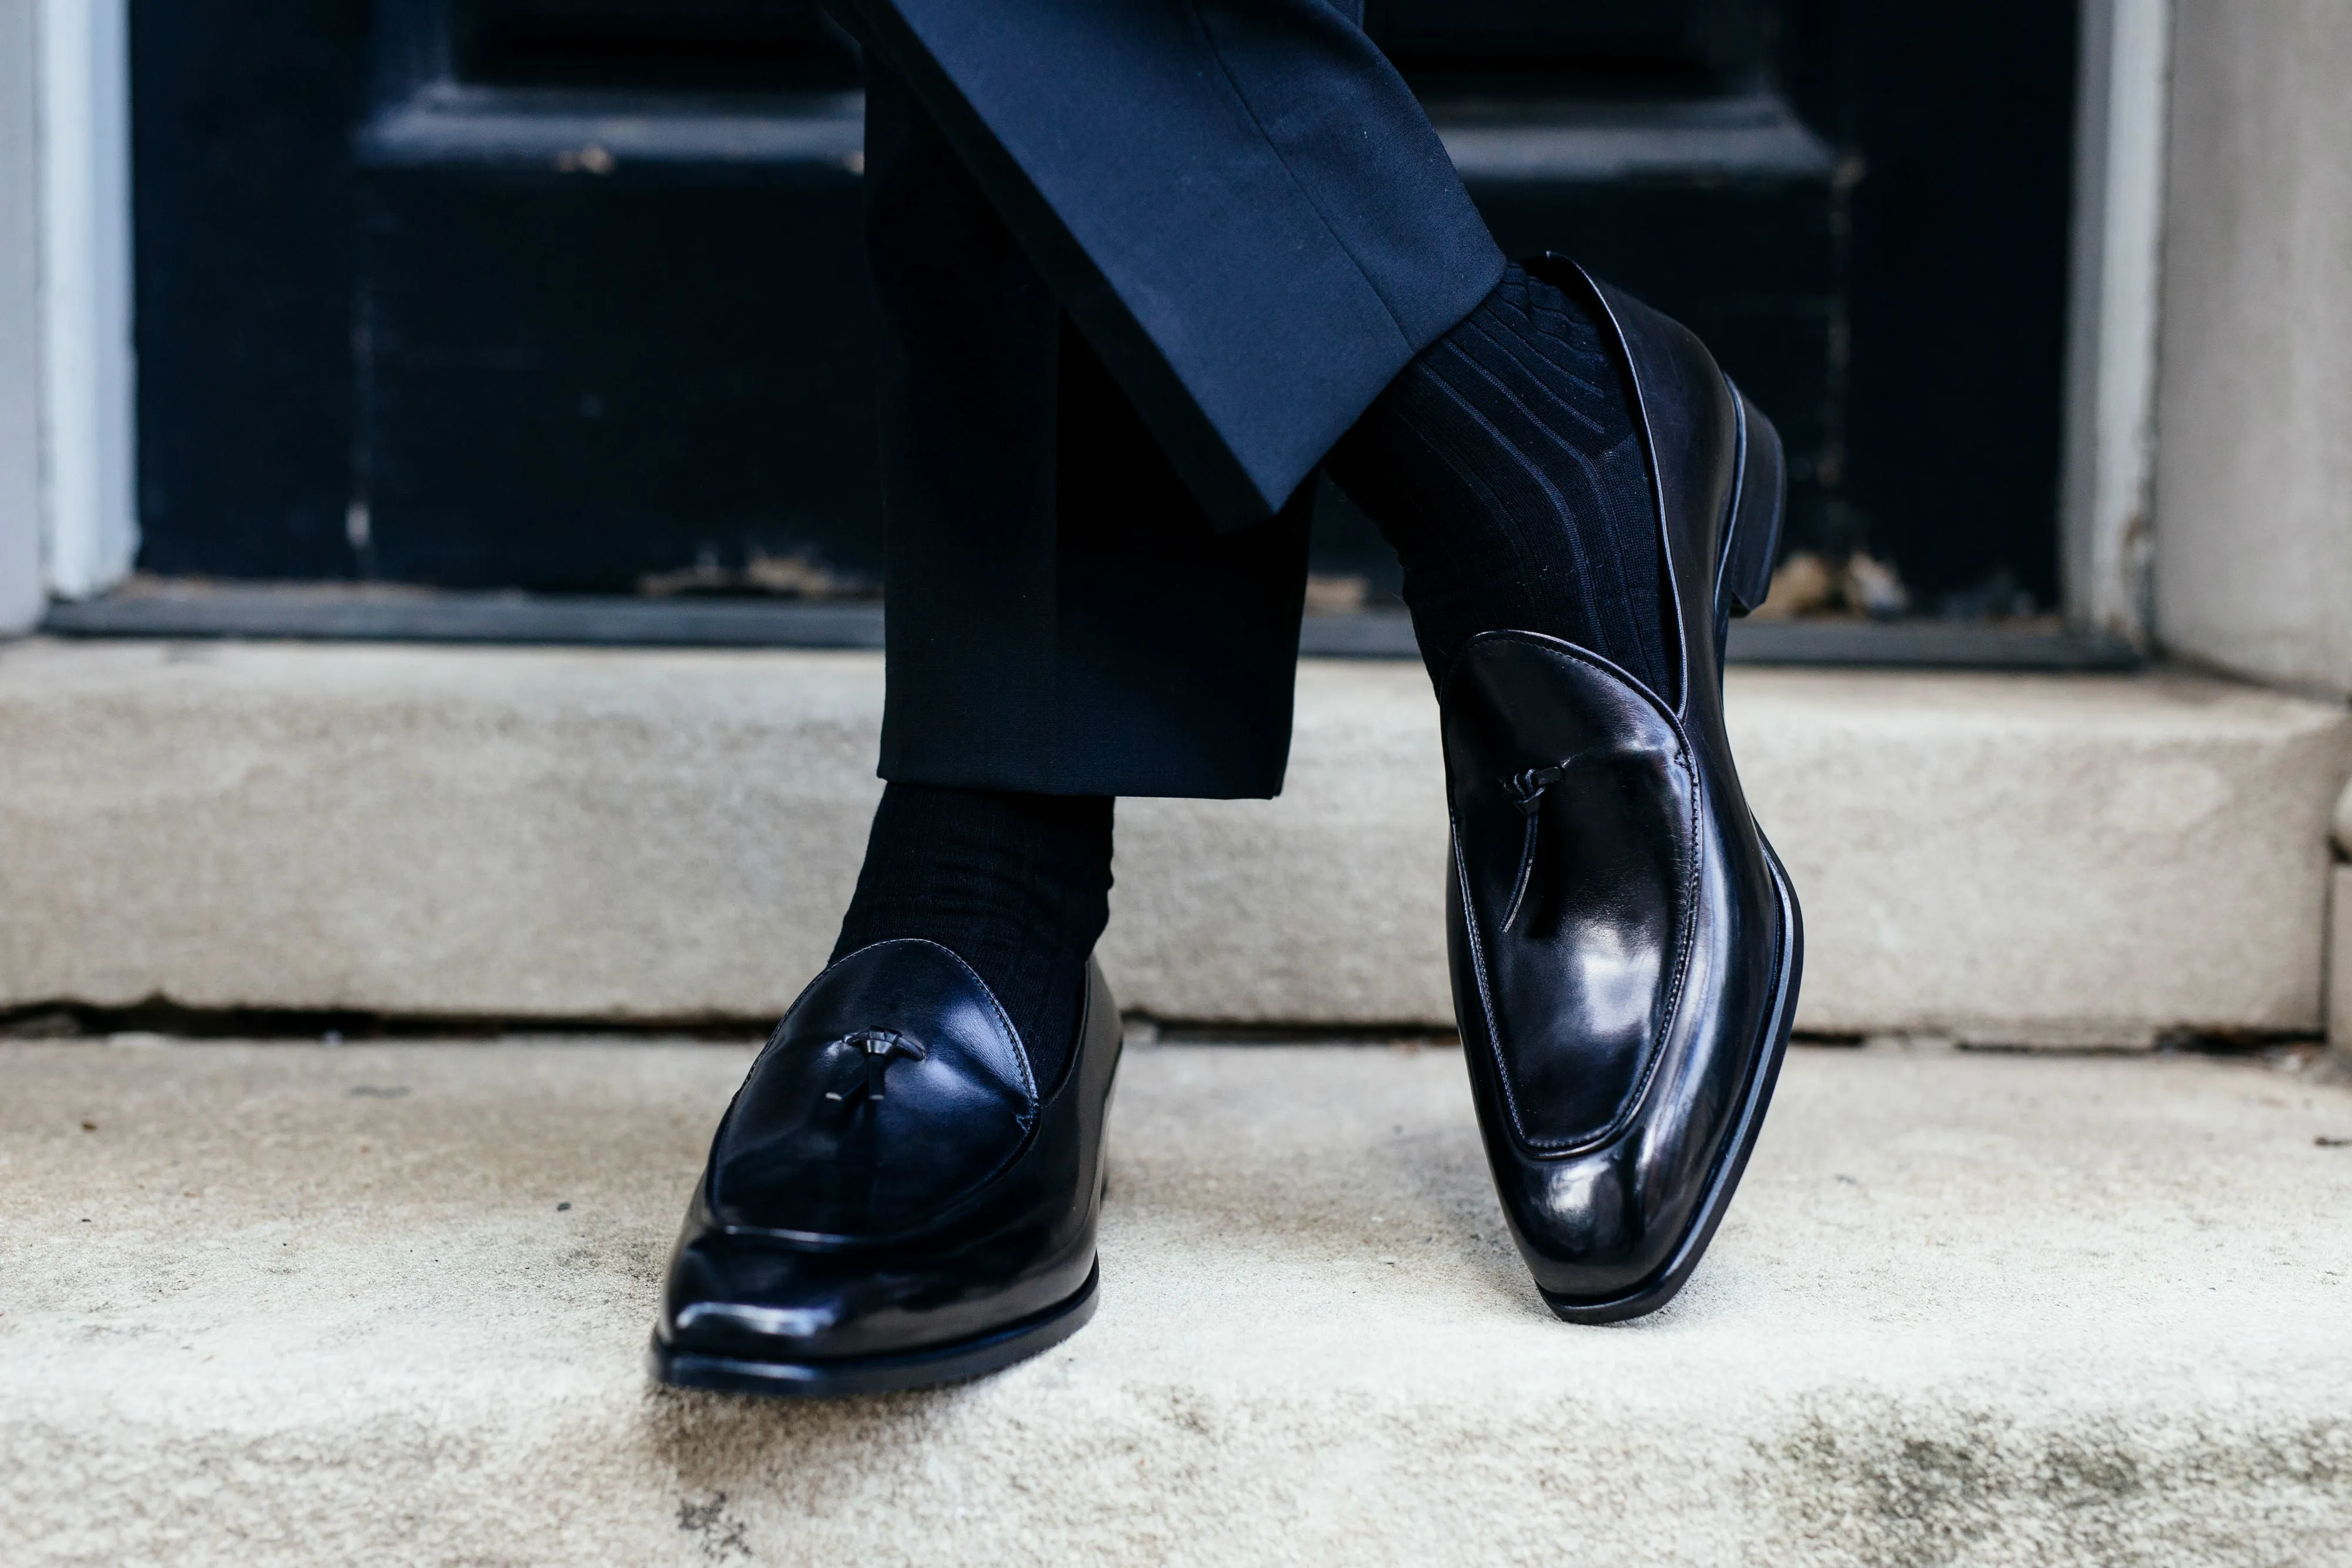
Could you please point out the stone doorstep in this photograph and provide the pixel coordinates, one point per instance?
(551, 833)
(285, 1304)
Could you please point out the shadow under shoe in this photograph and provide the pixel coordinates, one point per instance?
(892, 1199)
(1625, 947)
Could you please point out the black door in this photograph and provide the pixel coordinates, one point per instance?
(566, 295)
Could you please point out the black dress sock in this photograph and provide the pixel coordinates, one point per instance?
(1018, 886)
(1503, 467)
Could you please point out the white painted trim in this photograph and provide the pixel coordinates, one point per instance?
(21, 594)
(2109, 464)
(90, 528)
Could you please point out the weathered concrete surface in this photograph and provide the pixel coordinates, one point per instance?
(2254, 492)
(285, 1304)
(638, 834)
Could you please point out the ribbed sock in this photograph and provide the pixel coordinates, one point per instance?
(1503, 467)
(1018, 886)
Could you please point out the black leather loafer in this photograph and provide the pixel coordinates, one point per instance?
(1626, 946)
(892, 1200)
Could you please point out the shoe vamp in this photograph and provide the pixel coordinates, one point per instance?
(1575, 812)
(791, 1159)
(1577, 982)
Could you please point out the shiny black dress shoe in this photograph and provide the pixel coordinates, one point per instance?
(1626, 946)
(892, 1200)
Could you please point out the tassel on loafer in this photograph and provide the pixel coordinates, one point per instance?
(1625, 947)
(892, 1200)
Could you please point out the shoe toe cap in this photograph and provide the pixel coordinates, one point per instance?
(762, 1299)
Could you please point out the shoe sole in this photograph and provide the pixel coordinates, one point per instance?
(923, 1368)
(1733, 1162)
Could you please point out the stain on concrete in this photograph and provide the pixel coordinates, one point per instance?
(719, 1535)
(638, 1258)
(1899, 1487)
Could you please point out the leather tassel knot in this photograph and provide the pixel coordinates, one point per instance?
(1526, 791)
(878, 1047)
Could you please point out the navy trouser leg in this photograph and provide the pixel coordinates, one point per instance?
(1063, 618)
(1140, 263)
(1238, 202)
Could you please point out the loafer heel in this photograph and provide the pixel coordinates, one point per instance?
(1757, 505)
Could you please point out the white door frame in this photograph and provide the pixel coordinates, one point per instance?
(21, 590)
(68, 518)
(2106, 537)
(90, 522)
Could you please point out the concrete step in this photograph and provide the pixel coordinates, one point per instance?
(287, 1305)
(639, 835)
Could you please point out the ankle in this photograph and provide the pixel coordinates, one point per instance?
(1503, 467)
(1015, 885)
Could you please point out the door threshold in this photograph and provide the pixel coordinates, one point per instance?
(346, 614)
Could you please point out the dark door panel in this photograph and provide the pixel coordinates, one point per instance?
(568, 294)
(1606, 46)
(243, 113)
(572, 382)
(674, 46)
